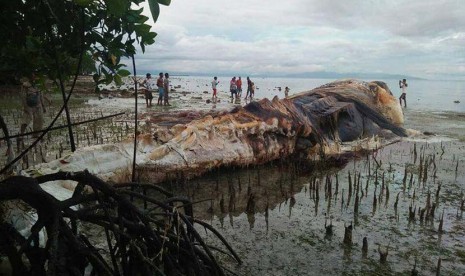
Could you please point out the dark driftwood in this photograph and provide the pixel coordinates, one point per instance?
(158, 240)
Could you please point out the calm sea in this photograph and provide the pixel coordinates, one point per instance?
(427, 95)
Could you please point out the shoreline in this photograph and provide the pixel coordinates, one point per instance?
(292, 227)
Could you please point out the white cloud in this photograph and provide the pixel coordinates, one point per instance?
(269, 36)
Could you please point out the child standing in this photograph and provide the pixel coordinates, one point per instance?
(214, 85)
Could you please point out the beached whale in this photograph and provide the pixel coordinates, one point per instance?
(309, 125)
(327, 121)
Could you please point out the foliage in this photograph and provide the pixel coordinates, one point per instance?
(88, 64)
(49, 36)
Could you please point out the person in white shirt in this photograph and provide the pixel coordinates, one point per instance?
(214, 85)
(148, 85)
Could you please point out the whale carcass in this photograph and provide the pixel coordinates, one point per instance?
(309, 125)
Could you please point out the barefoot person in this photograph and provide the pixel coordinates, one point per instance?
(148, 85)
(249, 88)
(214, 85)
(233, 88)
(166, 89)
(252, 90)
(239, 87)
(160, 89)
(286, 92)
(33, 106)
(403, 86)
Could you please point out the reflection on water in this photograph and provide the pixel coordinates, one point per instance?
(285, 220)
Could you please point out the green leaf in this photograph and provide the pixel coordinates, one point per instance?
(117, 7)
(118, 80)
(142, 19)
(150, 36)
(124, 73)
(108, 79)
(164, 2)
(133, 15)
(154, 9)
(142, 30)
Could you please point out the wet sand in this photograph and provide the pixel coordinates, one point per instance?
(283, 231)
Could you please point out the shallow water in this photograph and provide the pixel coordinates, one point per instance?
(285, 234)
(289, 237)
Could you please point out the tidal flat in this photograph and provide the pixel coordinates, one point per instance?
(406, 199)
(290, 218)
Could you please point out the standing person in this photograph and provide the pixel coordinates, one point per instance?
(239, 87)
(286, 92)
(249, 88)
(252, 90)
(33, 106)
(166, 88)
(148, 85)
(403, 86)
(214, 85)
(160, 89)
(233, 87)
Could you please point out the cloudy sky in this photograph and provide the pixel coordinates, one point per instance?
(422, 38)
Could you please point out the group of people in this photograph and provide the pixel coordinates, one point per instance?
(235, 88)
(163, 85)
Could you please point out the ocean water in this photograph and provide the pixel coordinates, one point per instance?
(423, 95)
